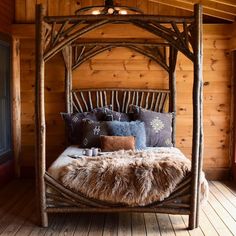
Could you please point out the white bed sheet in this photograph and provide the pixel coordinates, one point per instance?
(65, 159)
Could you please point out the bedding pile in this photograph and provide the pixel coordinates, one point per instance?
(133, 178)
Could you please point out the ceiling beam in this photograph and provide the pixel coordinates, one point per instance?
(231, 3)
(189, 7)
(209, 4)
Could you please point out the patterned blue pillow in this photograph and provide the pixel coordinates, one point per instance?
(133, 128)
(158, 126)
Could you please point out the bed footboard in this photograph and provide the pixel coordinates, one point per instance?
(61, 199)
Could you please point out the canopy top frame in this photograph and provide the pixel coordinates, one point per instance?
(61, 31)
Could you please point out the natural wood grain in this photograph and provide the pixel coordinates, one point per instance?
(196, 232)
(56, 225)
(20, 8)
(14, 205)
(136, 74)
(216, 31)
(16, 222)
(69, 225)
(138, 224)
(178, 225)
(223, 200)
(30, 10)
(40, 123)
(223, 213)
(16, 104)
(63, 7)
(221, 7)
(124, 226)
(165, 225)
(220, 227)
(151, 223)
(232, 45)
(19, 218)
(97, 224)
(83, 224)
(111, 224)
(188, 6)
(206, 225)
(226, 192)
(6, 15)
(227, 2)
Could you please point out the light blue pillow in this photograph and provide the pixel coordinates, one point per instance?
(133, 128)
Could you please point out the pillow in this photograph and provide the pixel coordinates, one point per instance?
(92, 130)
(133, 128)
(158, 126)
(74, 122)
(115, 143)
(115, 115)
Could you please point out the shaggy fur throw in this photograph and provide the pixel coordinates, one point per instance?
(127, 177)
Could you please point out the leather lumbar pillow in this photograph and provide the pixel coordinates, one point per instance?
(115, 143)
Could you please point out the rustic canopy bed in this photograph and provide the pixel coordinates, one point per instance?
(63, 33)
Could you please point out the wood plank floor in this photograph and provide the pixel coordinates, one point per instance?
(17, 217)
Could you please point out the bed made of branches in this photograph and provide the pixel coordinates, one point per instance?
(64, 34)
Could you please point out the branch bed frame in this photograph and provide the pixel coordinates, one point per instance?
(62, 33)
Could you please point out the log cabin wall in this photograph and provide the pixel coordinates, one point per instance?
(6, 15)
(121, 67)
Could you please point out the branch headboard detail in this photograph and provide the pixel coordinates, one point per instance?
(120, 99)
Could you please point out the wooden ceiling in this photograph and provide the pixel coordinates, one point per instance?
(215, 11)
(222, 9)
(219, 9)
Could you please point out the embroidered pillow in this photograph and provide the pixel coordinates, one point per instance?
(116, 143)
(133, 128)
(158, 126)
(115, 115)
(74, 122)
(92, 130)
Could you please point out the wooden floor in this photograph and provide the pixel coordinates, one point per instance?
(17, 217)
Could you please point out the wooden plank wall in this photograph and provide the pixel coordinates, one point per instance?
(123, 68)
(6, 15)
(233, 38)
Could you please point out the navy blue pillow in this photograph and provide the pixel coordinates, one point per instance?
(133, 128)
(74, 125)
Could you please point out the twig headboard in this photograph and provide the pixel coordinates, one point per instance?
(120, 99)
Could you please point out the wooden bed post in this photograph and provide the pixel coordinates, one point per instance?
(197, 118)
(67, 55)
(40, 119)
(172, 88)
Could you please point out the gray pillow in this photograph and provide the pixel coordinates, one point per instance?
(158, 126)
(133, 128)
(115, 115)
(73, 122)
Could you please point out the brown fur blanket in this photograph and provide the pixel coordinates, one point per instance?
(128, 177)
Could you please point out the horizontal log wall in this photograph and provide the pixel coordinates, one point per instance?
(6, 15)
(121, 67)
(233, 38)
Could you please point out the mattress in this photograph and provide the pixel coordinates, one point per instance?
(71, 152)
